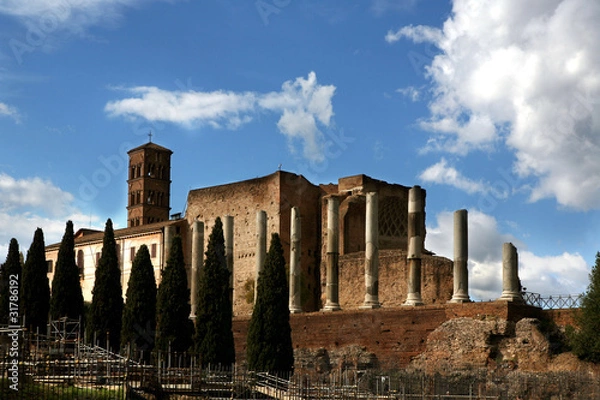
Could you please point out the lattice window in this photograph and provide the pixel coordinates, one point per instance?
(392, 217)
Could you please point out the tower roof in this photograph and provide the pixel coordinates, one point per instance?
(150, 145)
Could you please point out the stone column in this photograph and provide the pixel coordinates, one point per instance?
(167, 239)
(197, 261)
(261, 246)
(461, 256)
(511, 288)
(295, 303)
(416, 235)
(228, 234)
(333, 252)
(372, 252)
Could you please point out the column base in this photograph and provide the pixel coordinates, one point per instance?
(512, 297)
(460, 298)
(370, 306)
(295, 310)
(413, 299)
(332, 307)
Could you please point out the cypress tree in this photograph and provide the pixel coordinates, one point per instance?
(66, 299)
(10, 279)
(106, 311)
(269, 342)
(586, 340)
(174, 329)
(214, 334)
(139, 314)
(35, 297)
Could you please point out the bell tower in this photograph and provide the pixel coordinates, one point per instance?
(149, 184)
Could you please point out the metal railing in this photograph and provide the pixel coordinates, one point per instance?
(553, 302)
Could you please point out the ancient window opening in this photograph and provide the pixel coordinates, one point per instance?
(392, 218)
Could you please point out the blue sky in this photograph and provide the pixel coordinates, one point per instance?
(493, 108)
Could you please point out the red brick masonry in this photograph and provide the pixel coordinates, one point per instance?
(394, 335)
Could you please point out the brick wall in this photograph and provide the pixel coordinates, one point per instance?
(394, 336)
(562, 317)
(275, 194)
(437, 279)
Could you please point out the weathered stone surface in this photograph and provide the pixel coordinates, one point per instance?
(295, 305)
(332, 302)
(462, 343)
(448, 335)
(529, 349)
(461, 257)
(511, 285)
(436, 279)
(496, 344)
(372, 253)
(322, 361)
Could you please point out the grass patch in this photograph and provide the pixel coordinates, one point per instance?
(32, 390)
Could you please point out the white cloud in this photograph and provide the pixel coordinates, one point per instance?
(32, 193)
(186, 108)
(26, 204)
(411, 92)
(380, 7)
(442, 173)
(48, 16)
(304, 105)
(9, 111)
(418, 34)
(565, 273)
(526, 75)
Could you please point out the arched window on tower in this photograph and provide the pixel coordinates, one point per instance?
(151, 197)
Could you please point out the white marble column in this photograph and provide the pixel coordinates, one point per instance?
(333, 245)
(372, 252)
(511, 288)
(295, 302)
(197, 262)
(461, 257)
(228, 234)
(416, 235)
(261, 246)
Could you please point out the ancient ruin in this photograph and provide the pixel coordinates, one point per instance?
(326, 231)
(359, 272)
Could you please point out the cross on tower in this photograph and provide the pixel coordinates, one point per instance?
(150, 137)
